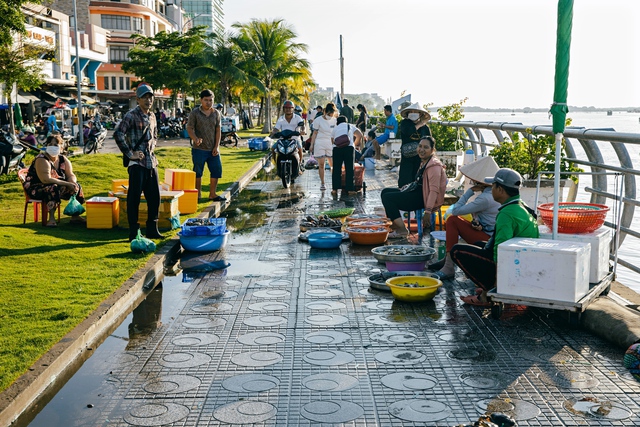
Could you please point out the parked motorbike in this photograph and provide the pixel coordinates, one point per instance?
(229, 138)
(95, 139)
(171, 128)
(285, 150)
(11, 152)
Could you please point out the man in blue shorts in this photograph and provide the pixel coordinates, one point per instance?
(391, 125)
(203, 127)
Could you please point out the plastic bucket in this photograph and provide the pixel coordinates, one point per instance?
(369, 162)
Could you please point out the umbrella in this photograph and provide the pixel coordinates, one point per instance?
(559, 107)
(17, 115)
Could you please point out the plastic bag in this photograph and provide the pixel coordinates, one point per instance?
(312, 163)
(74, 207)
(142, 244)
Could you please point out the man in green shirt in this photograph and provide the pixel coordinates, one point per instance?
(479, 261)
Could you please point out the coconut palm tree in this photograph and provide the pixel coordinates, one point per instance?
(271, 53)
(220, 64)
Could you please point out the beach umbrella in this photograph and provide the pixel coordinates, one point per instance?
(559, 107)
(17, 115)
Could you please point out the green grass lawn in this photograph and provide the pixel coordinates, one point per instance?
(52, 278)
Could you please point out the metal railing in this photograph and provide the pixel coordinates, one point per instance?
(591, 141)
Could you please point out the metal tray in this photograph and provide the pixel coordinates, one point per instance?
(429, 253)
(382, 285)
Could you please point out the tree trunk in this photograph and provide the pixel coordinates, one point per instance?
(267, 113)
(261, 111)
(12, 125)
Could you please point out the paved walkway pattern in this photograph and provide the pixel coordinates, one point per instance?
(293, 336)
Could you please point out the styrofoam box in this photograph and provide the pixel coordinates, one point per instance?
(540, 268)
(600, 241)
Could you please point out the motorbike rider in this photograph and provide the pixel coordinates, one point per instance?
(289, 121)
(28, 136)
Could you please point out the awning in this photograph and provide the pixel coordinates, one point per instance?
(25, 97)
(88, 100)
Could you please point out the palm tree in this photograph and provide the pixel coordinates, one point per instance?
(220, 64)
(269, 50)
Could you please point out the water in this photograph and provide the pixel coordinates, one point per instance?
(620, 122)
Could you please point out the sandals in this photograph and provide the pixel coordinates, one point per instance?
(218, 199)
(475, 300)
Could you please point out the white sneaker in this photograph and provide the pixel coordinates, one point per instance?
(322, 187)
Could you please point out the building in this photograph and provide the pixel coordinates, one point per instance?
(51, 28)
(209, 13)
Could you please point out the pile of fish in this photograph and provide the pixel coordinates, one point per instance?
(402, 250)
(312, 221)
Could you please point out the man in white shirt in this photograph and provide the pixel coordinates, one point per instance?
(290, 121)
(231, 111)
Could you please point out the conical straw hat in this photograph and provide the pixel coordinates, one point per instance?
(480, 169)
(415, 108)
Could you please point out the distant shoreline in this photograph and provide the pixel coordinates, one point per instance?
(545, 110)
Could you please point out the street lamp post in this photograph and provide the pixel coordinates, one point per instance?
(78, 76)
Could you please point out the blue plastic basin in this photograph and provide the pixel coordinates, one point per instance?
(203, 243)
(325, 240)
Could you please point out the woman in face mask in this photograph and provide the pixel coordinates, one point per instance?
(51, 179)
(413, 128)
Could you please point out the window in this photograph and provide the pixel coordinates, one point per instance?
(113, 83)
(127, 83)
(118, 54)
(116, 22)
(121, 83)
(137, 25)
(106, 83)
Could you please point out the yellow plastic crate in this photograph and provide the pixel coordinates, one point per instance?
(188, 202)
(180, 179)
(168, 209)
(103, 212)
(116, 185)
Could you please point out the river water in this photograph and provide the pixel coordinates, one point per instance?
(620, 122)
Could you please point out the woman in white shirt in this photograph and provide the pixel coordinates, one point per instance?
(344, 137)
(321, 144)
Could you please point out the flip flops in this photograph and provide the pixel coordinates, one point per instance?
(219, 199)
(475, 300)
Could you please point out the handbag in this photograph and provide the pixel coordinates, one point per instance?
(409, 149)
(342, 140)
(125, 158)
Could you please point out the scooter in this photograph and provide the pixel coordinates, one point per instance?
(95, 141)
(11, 152)
(287, 164)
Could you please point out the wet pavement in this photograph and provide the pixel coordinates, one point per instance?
(293, 336)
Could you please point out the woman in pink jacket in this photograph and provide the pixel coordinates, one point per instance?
(425, 192)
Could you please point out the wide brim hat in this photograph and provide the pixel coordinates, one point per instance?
(415, 108)
(480, 169)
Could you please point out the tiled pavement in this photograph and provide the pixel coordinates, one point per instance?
(293, 336)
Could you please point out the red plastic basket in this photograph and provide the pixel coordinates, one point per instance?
(575, 218)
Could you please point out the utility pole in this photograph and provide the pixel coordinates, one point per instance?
(80, 135)
(341, 70)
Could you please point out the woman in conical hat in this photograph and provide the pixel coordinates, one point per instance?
(413, 127)
(482, 207)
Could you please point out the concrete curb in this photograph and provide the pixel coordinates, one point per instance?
(43, 379)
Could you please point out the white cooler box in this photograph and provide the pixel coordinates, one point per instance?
(229, 124)
(600, 241)
(540, 268)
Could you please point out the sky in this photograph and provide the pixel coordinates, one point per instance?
(496, 53)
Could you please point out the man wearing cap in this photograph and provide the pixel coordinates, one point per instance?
(514, 219)
(204, 128)
(477, 202)
(136, 136)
